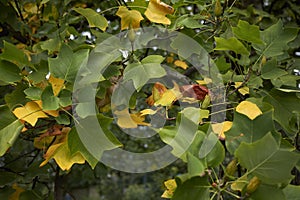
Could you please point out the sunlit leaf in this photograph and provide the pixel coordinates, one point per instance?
(220, 128)
(249, 109)
(247, 32)
(157, 10)
(181, 64)
(148, 112)
(30, 113)
(232, 44)
(129, 18)
(170, 188)
(243, 90)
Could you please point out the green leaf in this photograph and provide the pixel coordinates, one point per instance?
(186, 46)
(94, 19)
(246, 130)
(266, 160)
(33, 93)
(10, 128)
(271, 71)
(9, 72)
(95, 135)
(51, 45)
(232, 44)
(17, 97)
(222, 65)
(50, 102)
(30, 194)
(12, 54)
(181, 136)
(195, 166)
(65, 98)
(188, 22)
(216, 156)
(276, 39)
(196, 188)
(66, 65)
(75, 146)
(284, 103)
(41, 72)
(140, 73)
(247, 32)
(268, 192)
(292, 192)
(7, 178)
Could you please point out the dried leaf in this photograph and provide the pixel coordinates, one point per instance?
(156, 12)
(129, 18)
(249, 109)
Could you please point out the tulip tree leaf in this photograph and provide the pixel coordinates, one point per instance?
(284, 103)
(247, 32)
(10, 127)
(66, 65)
(276, 39)
(266, 160)
(141, 72)
(232, 44)
(94, 18)
(246, 130)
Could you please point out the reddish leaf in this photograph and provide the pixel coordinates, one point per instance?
(194, 91)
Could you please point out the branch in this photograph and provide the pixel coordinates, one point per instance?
(246, 79)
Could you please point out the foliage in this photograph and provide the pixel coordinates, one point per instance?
(243, 134)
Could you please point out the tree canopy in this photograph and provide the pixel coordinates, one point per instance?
(153, 99)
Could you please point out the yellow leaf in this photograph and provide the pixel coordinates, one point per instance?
(181, 64)
(129, 18)
(249, 109)
(53, 113)
(220, 128)
(243, 90)
(171, 187)
(16, 194)
(148, 112)
(167, 98)
(57, 84)
(30, 113)
(240, 183)
(156, 12)
(124, 119)
(205, 81)
(138, 119)
(60, 152)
